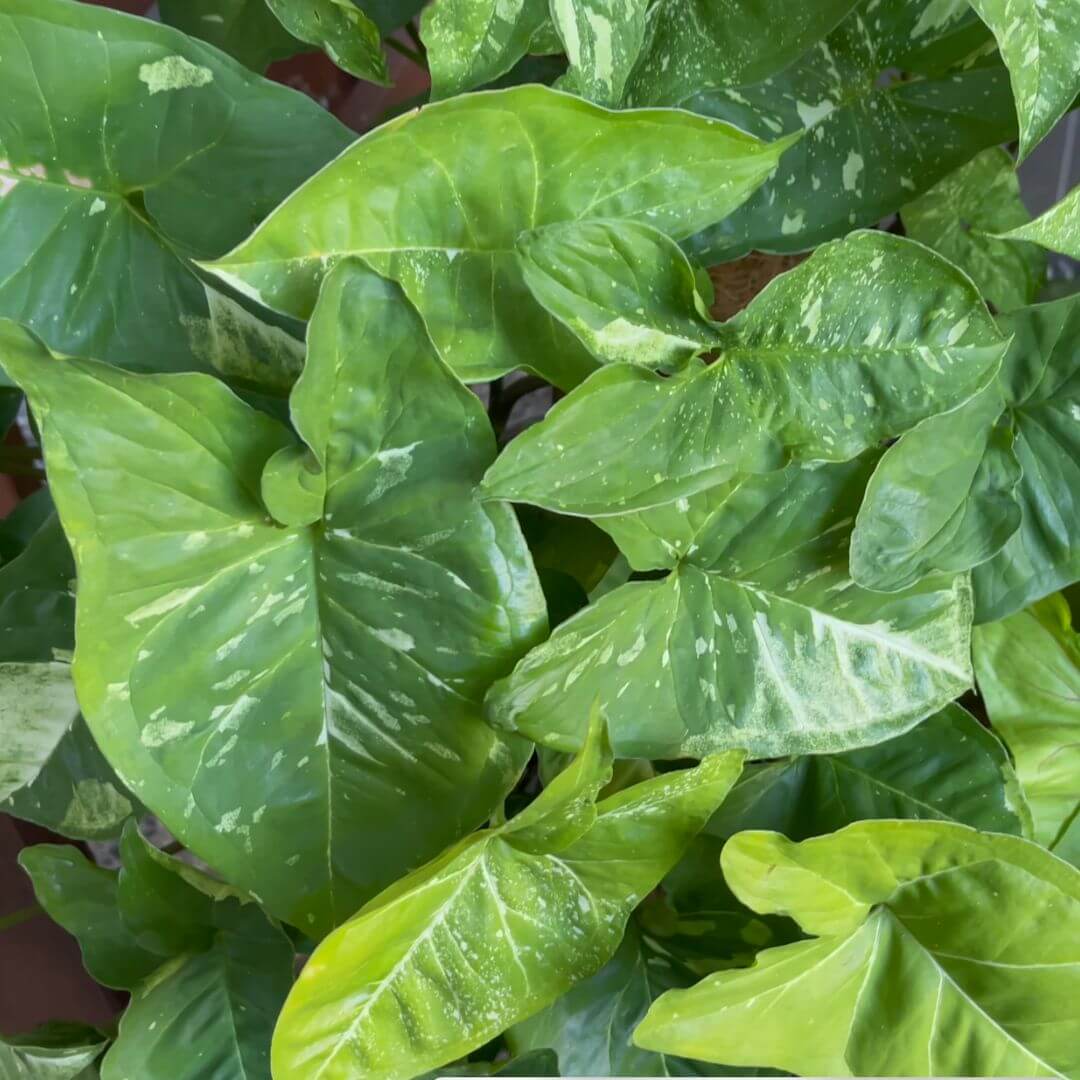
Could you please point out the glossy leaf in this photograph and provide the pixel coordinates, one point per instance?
(487, 934)
(990, 485)
(495, 164)
(967, 942)
(245, 29)
(757, 639)
(695, 45)
(602, 40)
(624, 289)
(867, 337)
(873, 142)
(56, 1051)
(1028, 667)
(960, 218)
(1038, 40)
(341, 29)
(280, 695)
(151, 146)
(1058, 229)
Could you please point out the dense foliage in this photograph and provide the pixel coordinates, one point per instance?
(724, 720)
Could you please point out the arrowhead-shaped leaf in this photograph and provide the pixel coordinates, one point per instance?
(486, 935)
(1028, 668)
(494, 165)
(828, 360)
(757, 639)
(969, 942)
(341, 29)
(280, 694)
(112, 169)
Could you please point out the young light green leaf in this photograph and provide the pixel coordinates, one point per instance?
(941, 499)
(245, 29)
(695, 45)
(1028, 669)
(341, 29)
(961, 217)
(485, 936)
(115, 167)
(602, 39)
(56, 1051)
(624, 289)
(280, 696)
(829, 359)
(940, 928)
(1058, 229)
(757, 639)
(872, 142)
(210, 1013)
(1038, 41)
(473, 42)
(441, 233)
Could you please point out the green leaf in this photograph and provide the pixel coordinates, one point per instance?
(625, 290)
(440, 233)
(873, 141)
(389, 15)
(473, 42)
(867, 337)
(602, 40)
(486, 935)
(1038, 41)
(590, 1025)
(68, 787)
(83, 899)
(966, 942)
(211, 1013)
(757, 639)
(246, 29)
(1058, 229)
(695, 45)
(281, 696)
(114, 169)
(961, 216)
(949, 768)
(1028, 668)
(55, 1051)
(341, 29)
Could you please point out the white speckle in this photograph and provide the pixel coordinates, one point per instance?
(810, 115)
(791, 224)
(852, 167)
(160, 732)
(632, 653)
(396, 639)
(161, 606)
(174, 73)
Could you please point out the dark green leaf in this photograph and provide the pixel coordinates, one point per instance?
(56, 1051)
(245, 29)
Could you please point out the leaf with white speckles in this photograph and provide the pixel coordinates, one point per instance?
(487, 934)
(757, 639)
(278, 692)
(624, 289)
(960, 217)
(866, 338)
(969, 941)
(1028, 668)
(341, 29)
(1039, 40)
(602, 39)
(873, 142)
(113, 170)
(436, 200)
(56, 1051)
(1058, 229)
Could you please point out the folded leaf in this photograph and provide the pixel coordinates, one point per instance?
(1058, 229)
(56, 1051)
(341, 29)
(151, 146)
(872, 141)
(960, 217)
(279, 694)
(493, 165)
(828, 360)
(602, 39)
(757, 639)
(245, 29)
(1028, 668)
(485, 936)
(966, 941)
(1038, 41)
(624, 289)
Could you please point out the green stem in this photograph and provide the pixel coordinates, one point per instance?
(16, 918)
(404, 49)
